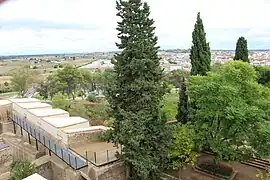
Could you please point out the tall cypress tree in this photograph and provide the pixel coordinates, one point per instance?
(136, 92)
(200, 54)
(241, 51)
(182, 114)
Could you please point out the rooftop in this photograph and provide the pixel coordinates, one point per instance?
(35, 177)
(47, 112)
(61, 122)
(24, 100)
(4, 102)
(34, 105)
(86, 129)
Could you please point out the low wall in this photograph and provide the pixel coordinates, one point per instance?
(6, 127)
(5, 111)
(84, 137)
(5, 156)
(114, 171)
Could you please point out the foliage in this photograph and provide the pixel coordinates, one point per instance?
(200, 54)
(73, 82)
(181, 150)
(99, 111)
(6, 83)
(22, 79)
(229, 108)
(136, 92)
(174, 77)
(182, 113)
(43, 90)
(261, 175)
(71, 77)
(241, 51)
(264, 75)
(60, 101)
(22, 169)
(91, 98)
(77, 109)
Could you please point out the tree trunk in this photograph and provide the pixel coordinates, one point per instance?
(180, 172)
(127, 172)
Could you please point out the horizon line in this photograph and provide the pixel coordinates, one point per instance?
(63, 53)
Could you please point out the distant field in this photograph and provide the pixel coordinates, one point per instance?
(4, 79)
(43, 66)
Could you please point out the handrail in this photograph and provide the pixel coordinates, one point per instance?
(28, 127)
(25, 125)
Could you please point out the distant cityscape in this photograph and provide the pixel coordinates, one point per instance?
(170, 59)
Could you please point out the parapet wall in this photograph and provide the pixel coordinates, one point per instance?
(84, 137)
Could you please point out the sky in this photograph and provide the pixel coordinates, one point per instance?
(75, 26)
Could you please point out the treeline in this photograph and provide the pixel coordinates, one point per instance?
(223, 109)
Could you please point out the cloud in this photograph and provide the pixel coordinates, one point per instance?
(52, 26)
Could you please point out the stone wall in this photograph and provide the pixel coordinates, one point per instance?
(61, 171)
(5, 112)
(84, 137)
(21, 149)
(114, 171)
(6, 127)
(5, 156)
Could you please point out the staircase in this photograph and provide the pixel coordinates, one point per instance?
(258, 163)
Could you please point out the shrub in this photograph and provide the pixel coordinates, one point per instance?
(22, 169)
(55, 66)
(60, 66)
(92, 98)
(6, 83)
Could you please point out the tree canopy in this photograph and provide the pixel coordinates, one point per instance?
(229, 109)
(241, 51)
(136, 93)
(200, 54)
(22, 79)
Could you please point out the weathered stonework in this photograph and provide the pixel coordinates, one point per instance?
(114, 171)
(5, 156)
(6, 127)
(84, 137)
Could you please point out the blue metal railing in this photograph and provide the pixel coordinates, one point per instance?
(74, 161)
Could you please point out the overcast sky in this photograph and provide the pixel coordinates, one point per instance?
(64, 26)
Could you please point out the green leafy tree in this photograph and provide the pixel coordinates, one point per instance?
(70, 76)
(60, 101)
(175, 77)
(22, 169)
(86, 81)
(182, 113)
(43, 90)
(182, 148)
(200, 54)
(229, 109)
(136, 93)
(22, 79)
(241, 51)
(55, 85)
(264, 75)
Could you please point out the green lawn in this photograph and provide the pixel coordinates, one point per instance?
(169, 103)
